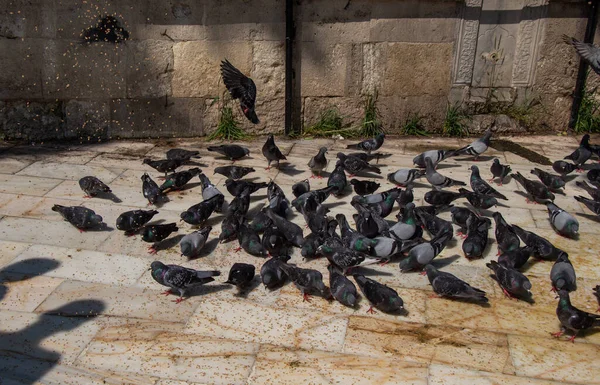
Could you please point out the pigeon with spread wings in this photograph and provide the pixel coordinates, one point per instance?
(240, 87)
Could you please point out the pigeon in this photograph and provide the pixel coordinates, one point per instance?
(199, 213)
(364, 187)
(314, 240)
(132, 221)
(229, 226)
(307, 280)
(535, 190)
(241, 274)
(499, 171)
(249, 241)
(277, 200)
(542, 248)
(236, 187)
(423, 254)
(93, 186)
(319, 197)
(406, 228)
(274, 241)
(517, 258)
(292, 232)
(588, 52)
(563, 168)
(513, 283)
(261, 221)
(342, 289)
(582, 153)
(317, 220)
(477, 147)
(337, 180)
(594, 192)
(437, 180)
(354, 165)
(553, 182)
(436, 156)
(240, 87)
(272, 152)
(241, 203)
(477, 237)
(482, 187)
(406, 196)
(369, 157)
(233, 172)
(590, 204)
(385, 207)
(151, 190)
(318, 163)
(179, 278)
(448, 285)
(373, 199)
(192, 244)
(562, 222)
(380, 296)
(178, 180)
(405, 176)
(164, 165)
(345, 258)
(562, 274)
(478, 201)
(368, 223)
(271, 273)
(506, 238)
(232, 151)
(594, 176)
(596, 291)
(571, 318)
(459, 216)
(369, 145)
(433, 224)
(80, 217)
(441, 197)
(387, 248)
(156, 233)
(209, 190)
(353, 239)
(182, 155)
(300, 188)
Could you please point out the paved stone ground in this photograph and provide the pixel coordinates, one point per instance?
(52, 277)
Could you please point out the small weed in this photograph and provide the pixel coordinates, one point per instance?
(414, 126)
(371, 126)
(228, 127)
(523, 113)
(588, 117)
(329, 123)
(455, 121)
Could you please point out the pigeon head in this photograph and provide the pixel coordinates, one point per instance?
(322, 150)
(269, 279)
(246, 151)
(395, 304)
(564, 298)
(147, 161)
(349, 299)
(187, 216)
(585, 140)
(324, 250)
(474, 169)
(157, 271)
(145, 177)
(186, 249)
(431, 271)
(95, 218)
(341, 156)
(496, 161)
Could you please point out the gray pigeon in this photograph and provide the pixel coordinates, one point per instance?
(380, 296)
(542, 248)
(132, 221)
(482, 187)
(151, 190)
(423, 254)
(388, 248)
(208, 189)
(307, 280)
(513, 283)
(563, 168)
(354, 165)
(241, 275)
(571, 318)
(499, 171)
(192, 244)
(437, 180)
(271, 273)
(553, 182)
(406, 228)
(590, 204)
(318, 163)
(346, 259)
(179, 278)
(564, 223)
(582, 153)
(80, 217)
(562, 274)
(369, 145)
(436, 156)
(477, 147)
(233, 172)
(476, 241)
(249, 241)
(182, 154)
(272, 152)
(588, 52)
(405, 176)
(93, 186)
(300, 188)
(337, 179)
(535, 190)
(231, 151)
(594, 192)
(448, 285)
(594, 176)
(517, 258)
(293, 233)
(342, 289)
(506, 238)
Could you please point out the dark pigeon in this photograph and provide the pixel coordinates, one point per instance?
(369, 145)
(199, 213)
(513, 283)
(80, 217)
(307, 280)
(277, 200)
(179, 278)
(271, 273)
(380, 296)
(441, 197)
(274, 241)
(448, 285)
(553, 182)
(93, 186)
(342, 289)
(300, 188)
(241, 203)
(272, 152)
(164, 165)
(229, 226)
(364, 187)
(354, 165)
(594, 192)
(132, 221)
(249, 241)
(590, 204)
(537, 191)
(292, 232)
(353, 239)
(233, 172)
(241, 274)
(573, 319)
(156, 233)
(240, 87)
(542, 248)
(506, 238)
(406, 196)
(482, 187)
(182, 154)
(563, 168)
(151, 190)
(261, 221)
(516, 258)
(582, 153)
(345, 258)
(318, 163)
(499, 171)
(479, 201)
(477, 237)
(178, 180)
(236, 187)
(337, 179)
(459, 216)
(232, 151)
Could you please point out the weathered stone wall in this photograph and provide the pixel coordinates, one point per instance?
(163, 81)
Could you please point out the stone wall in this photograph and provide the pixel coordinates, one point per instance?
(164, 81)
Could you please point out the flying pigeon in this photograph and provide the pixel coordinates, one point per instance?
(588, 52)
(240, 87)
(179, 278)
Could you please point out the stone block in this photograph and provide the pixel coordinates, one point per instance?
(21, 75)
(87, 120)
(269, 111)
(335, 11)
(149, 68)
(411, 69)
(152, 118)
(395, 111)
(34, 121)
(418, 30)
(415, 9)
(351, 109)
(335, 33)
(73, 70)
(325, 68)
(197, 66)
(173, 12)
(168, 32)
(24, 18)
(250, 11)
(268, 69)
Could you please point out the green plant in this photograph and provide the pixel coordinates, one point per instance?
(228, 127)
(455, 121)
(329, 123)
(588, 116)
(414, 126)
(522, 113)
(371, 126)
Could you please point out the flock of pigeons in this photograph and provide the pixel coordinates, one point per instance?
(374, 240)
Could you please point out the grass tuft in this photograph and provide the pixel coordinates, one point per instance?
(414, 126)
(371, 125)
(228, 127)
(330, 123)
(588, 116)
(455, 121)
